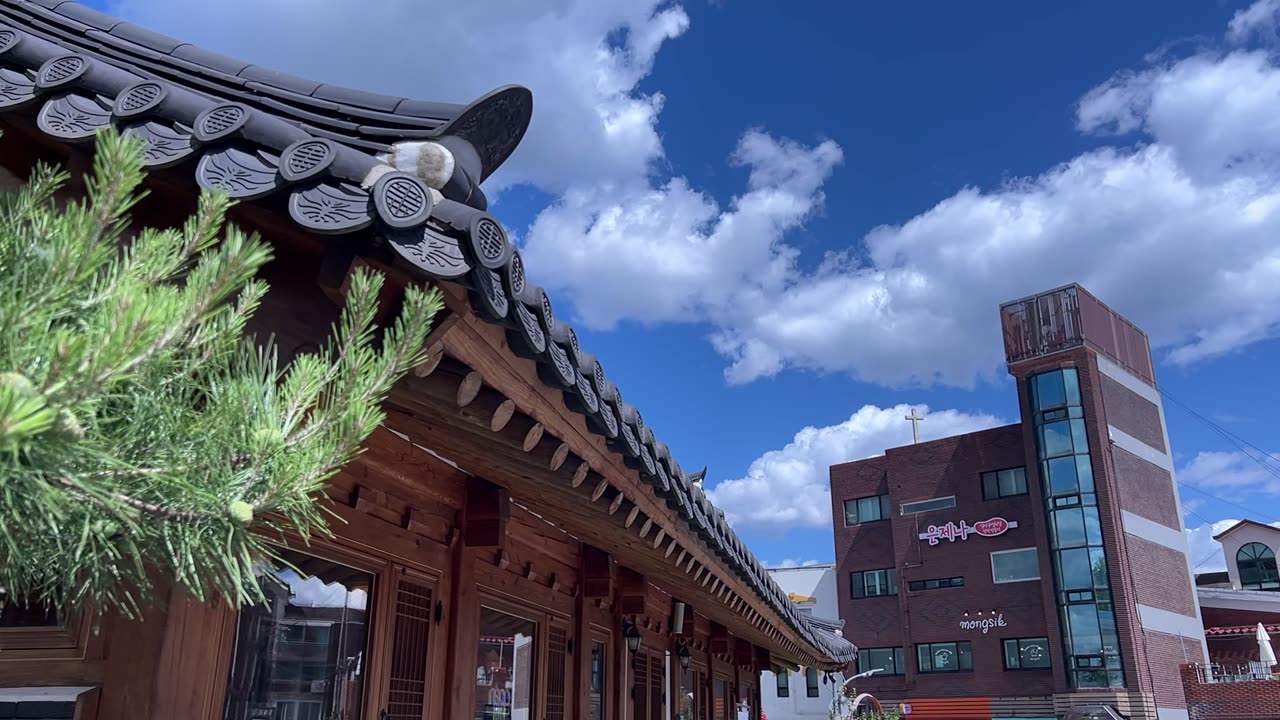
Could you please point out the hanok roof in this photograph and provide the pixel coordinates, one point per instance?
(349, 161)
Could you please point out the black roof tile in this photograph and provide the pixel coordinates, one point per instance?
(276, 109)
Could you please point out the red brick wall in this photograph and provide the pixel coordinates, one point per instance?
(1146, 489)
(1258, 700)
(1161, 577)
(951, 466)
(1132, 413)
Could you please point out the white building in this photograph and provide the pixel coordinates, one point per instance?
(803, 694)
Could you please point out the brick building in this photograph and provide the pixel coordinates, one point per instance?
(1027, 569)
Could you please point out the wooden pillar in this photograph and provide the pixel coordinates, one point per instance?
(757, 706)
(581, 661)
(621, 680)
(463, 616)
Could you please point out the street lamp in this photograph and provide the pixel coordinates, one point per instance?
(632, 635)
(682, 653)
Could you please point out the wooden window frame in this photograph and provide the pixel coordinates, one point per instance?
(67, 639)
(541, 618)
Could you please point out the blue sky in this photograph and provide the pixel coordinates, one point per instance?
(779, 228)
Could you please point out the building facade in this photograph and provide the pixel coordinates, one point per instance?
(808, 692)
(515, 542)
(1027, 569)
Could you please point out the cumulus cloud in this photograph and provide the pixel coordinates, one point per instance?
(791, 563)
(1174, 225)
(1203, 552)
(581, 58)
(791, 487)
(1176, 229)
(1233, 475)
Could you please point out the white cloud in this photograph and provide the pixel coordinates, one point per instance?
(792, 563)
(581, 58)
(1233, 474)
(791, 487)
(1177, 231)
(1204, 554)
(1260, 19)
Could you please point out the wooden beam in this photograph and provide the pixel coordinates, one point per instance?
(486, 514)
(632, 590)
(597, 572)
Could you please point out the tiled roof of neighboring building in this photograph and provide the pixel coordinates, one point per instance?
(347, 161)
(1244, 523)
(1239, 630)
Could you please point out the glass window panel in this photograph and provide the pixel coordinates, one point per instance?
(1091, 678)
(1055, 439)
(1098, 567)
(856, 588)
(1050, 391)
(1062, 476)
(595, 698)
(1092, 526)
(811, 682)
(1074, 569)
(784, 683)
(920, 506)
(1110, 640)
(885, 507)
(850, 512)
(1086, 638)
(1015, 565)
(1013, 482)
(1011, 659)
(869, 509)
(1078, 437)
(1071, 383)
(27, 614)
(504, 678)
(307, 642)
(990, 486)
(964, 651)
(1070, 527)
(924, 660)
(944, 657)
(1034, 653)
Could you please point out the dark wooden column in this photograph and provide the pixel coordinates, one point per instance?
(484, 527)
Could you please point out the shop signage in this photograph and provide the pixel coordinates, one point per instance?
(984, 624)
(952, 532)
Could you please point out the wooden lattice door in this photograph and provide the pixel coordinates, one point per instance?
(408, 684)
(557, 656)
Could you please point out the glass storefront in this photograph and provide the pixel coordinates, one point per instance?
(1079, 560)
(504, 677)
(301, 654)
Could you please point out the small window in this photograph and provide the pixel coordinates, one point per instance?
(784, 683)
(811, 682)
(867, 509)
(1004, 483)
(873, 583)
(1015, 565)
(1026, 654)
(887, 660)
(935, 583)
(920, 506)
(595, 694)
(945, 657)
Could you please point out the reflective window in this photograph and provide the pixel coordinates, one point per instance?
(944, 657)
(1026, 654)
(867, 509)
(935, 583)
(920, 506)
(1004, 483)
(784, 684)
(887, 660)
(1257, 566)
(504, 676)
(595, 699)
(301, 654)
(1015, 565)
(873, 583)
(811, 682)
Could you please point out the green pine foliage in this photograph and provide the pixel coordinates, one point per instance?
(141, 435)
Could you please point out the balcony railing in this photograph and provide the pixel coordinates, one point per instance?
(1252, 672)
